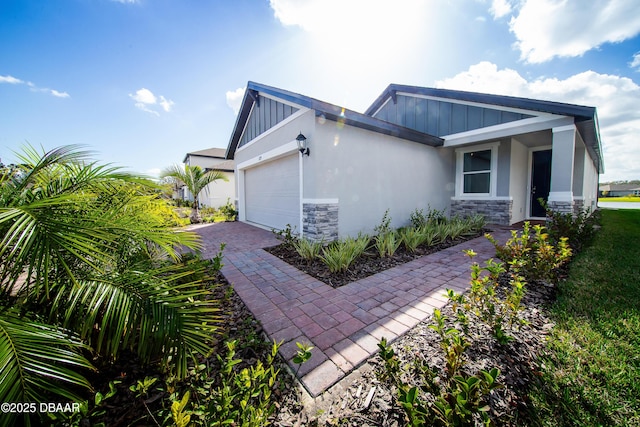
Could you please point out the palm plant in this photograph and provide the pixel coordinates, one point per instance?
(196, 180)
(85, 264)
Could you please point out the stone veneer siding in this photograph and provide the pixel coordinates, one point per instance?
(562, 207)
(495, 211)
(578, 207)
(320, 221)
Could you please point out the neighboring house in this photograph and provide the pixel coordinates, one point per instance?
(414, 148)
(619, 190)
(217, 193)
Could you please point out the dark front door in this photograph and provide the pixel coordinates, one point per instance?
(540, 181)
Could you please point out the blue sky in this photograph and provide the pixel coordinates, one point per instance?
(143, 82)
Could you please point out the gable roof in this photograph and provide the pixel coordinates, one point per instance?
(217, 153)
(226, 166)
(329, 111)
(585, 118)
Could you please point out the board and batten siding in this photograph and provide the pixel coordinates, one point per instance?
(265, 114)
(440, 118)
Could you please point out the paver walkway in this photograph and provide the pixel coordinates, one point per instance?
(344, 324)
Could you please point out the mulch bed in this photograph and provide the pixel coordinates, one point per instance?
(367, 265)
(237, 323)
(366, 401)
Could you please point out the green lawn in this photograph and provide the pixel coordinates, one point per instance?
(619, 199)
(592, 374)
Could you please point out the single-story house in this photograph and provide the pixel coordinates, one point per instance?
(619, 190)
(413, 148)
(218, 192)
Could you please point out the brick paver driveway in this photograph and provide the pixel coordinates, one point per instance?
(344, 324)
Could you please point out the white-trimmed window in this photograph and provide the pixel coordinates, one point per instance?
(476, 171)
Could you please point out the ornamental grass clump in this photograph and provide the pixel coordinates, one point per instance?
(387, 243)
(339, 256)
(308, 249)
(412, 237)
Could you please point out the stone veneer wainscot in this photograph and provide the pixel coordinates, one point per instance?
(320, 221)
(495, 211)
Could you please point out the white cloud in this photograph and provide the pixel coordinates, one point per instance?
(58, 94)
(10, 79)
(615, 97)
(485, 77)
(549, 28)
(33, 87)
(234, 99)
(146, 101)
(500, 8)
(635, 63)
(144, 96)
(166, 104)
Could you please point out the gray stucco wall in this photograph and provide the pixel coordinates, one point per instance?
(590, 184)
(504, 168)
(561, 160)
(369, 173)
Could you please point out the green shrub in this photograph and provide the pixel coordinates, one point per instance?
(419, 218)
(483, 301)
(578, 229)
(287, 235)
(339, 256)
(229, 211)
(227, 395)
(456, 400)
(534, 257)
(244, 398)
(385, 224)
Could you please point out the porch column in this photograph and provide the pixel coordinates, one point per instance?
(562, 163)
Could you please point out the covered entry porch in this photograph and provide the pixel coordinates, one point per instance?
(506, 178)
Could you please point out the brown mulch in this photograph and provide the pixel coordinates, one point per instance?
(363, 400)
(237, 323)
(367, 265)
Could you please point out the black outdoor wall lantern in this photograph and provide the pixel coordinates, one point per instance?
(302, 144)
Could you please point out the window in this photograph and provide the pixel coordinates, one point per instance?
(476, 172)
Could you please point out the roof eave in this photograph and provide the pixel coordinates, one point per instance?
(330, 111)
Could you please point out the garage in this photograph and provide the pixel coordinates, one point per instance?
(272, 193)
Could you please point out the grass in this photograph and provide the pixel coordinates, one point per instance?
(619, 199)
(591, 376)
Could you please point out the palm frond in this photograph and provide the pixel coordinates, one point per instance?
(149, 312)
(36, 359)
(75, 218)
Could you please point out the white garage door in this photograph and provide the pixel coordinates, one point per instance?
(272, 193)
